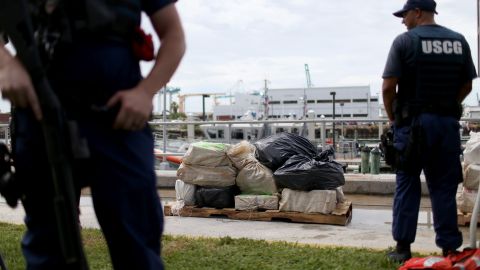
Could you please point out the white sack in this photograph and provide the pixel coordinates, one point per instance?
(241, 154)
(466, 200)
(176, 207)
(471, 154)
(185, 192)
(207, 154)
(256, 178)
(315, 201)
(255, 202)
(340, 195)
(471, 176)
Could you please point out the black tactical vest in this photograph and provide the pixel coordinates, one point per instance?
(87, 19)
(100, 17)
(432, 80)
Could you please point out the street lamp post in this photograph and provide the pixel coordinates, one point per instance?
(271, 100)
(203, 106)
(333, 116)
(341, 108)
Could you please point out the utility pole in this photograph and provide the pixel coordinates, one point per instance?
(333, 115)
(341, 107)
(203, 106)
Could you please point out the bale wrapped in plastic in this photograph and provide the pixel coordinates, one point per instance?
(185, 192)
(466, 200)
(256, 178)
(207, 154)
(340, 195)
(216, 197)
(315, 201)
(304, 173)
(221, 176)
(471, 154)
(256, 202)
(241, 154)
(275, 150)
(471, 177)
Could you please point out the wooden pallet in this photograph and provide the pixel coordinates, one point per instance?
(342, 215)
(463, 219)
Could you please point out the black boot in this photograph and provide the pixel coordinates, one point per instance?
(401, 253)
(446, 252)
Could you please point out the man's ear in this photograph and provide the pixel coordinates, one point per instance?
(418, 13)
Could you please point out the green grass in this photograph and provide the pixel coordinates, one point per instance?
(216, 253)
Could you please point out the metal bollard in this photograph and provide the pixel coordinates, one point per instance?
(365, 156)
(375, 161)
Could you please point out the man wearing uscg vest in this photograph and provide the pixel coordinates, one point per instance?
(429, 72)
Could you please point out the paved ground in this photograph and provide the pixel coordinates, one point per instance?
(370, 225)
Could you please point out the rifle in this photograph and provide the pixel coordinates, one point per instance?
(2, 264)
(16, 22)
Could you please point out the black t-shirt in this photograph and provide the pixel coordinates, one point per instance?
(151, 6)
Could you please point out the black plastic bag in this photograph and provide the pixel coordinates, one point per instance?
(326, 155)
(275, 150)
(304, 173)
(220, 197)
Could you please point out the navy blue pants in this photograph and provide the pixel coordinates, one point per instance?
(121, 176)
(440, 162)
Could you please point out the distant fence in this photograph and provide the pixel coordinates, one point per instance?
(322, 130)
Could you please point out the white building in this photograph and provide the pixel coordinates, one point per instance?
(350, 102)
(471, 112)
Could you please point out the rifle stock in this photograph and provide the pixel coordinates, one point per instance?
(16, 22)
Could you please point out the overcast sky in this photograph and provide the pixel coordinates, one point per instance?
(234, 45)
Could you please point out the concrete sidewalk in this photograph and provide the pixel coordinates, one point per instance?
(370, 226)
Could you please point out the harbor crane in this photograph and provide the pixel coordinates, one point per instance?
(307, 74)
(170, 91)
(309, 85)
(181, 100)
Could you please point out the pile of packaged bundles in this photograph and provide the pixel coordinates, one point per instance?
(282, 172)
